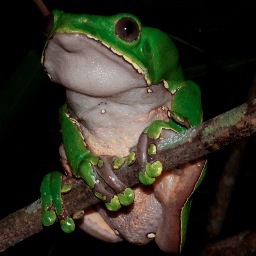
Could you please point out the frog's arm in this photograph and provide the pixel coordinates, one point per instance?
(187, 102)
(185, 111)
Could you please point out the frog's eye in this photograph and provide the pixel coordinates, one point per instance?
(127, 29)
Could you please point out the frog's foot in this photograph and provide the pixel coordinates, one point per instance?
(120, 195)
(51, 189)
(146, 157)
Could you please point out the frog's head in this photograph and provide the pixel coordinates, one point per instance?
(147, 50)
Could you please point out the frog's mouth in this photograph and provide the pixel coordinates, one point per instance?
(87, 66)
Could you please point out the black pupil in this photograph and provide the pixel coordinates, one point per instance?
(129, 27)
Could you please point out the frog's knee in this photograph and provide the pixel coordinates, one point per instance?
(93, 224)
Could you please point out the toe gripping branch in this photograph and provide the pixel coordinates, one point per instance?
(52, 188)
(147, 147)
(120, 194)
(146, 157)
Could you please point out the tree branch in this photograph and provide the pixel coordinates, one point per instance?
(192, 144)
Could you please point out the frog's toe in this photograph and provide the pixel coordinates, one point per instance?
(126, 197)
(48, 218)
(145, 179)
(48, 215)
(67, 225)
(114, 204)
(154, 170)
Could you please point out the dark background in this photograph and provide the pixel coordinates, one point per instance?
(223, 30)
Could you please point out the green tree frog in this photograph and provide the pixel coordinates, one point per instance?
(125, 91)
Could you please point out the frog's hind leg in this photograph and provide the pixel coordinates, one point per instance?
(174, 190)
(94, 224)
(51, 201)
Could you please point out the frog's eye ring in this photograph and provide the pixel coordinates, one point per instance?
(127, 29)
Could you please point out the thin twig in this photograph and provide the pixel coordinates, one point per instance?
(42, 7)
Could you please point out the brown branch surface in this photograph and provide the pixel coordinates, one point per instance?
(192, 144)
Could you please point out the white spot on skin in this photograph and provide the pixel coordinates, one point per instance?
(149, 90)
(165, 108)
(151, 235)
(78, 215)
(116, 232)
(103, 111)
(169, 113)
(166, 86)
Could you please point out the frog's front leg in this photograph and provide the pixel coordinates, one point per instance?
(122, 196)
(105, 171)
(90, 167)
(184, 112)
(147, 146)
(150, 167)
